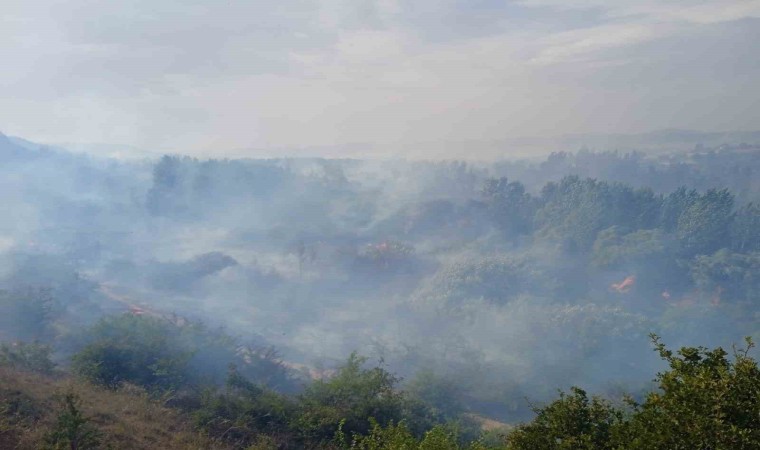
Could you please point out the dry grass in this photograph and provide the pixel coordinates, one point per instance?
(487, 424)
(127, 418)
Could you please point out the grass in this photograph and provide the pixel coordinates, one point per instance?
(127, 418)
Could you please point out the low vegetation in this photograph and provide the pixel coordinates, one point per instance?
(706, 399)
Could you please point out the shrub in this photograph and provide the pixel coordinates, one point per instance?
(244, 413)
(165, 354)
(33, 356)
(127, 348)
(397, 436)
(351, 397)
(25, 313)
(72, 430)
(705, 401)
(571, 422)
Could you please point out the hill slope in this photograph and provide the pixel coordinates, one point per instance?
(125, 419)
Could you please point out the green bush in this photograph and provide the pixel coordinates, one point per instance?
(704, 401)
(72, 430)
(245, 412)
(136, 349)
(572, 422)
(350, 397)
(397, 436)
(33, 356)
(25, 314)
(166, 354)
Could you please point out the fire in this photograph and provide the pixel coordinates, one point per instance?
(625, 285)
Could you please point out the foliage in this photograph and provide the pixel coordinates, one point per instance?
(350, 397)
(572, 422)
(443, 395)
(511, 207)
(355, 399)
(136, 349)
(705, 401)
(25, 313)
(244, 412)
(397, 436)
(127, 418)
(674, 205)
(33, 356)
(704, 224)
(496, 279)
(745, 229)
(735, 276)
(17, 408)
(614, 249)
(72, 430)
(213, 350)
(166, 354)
(575, 210)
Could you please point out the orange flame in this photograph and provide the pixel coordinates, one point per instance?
(625, 285)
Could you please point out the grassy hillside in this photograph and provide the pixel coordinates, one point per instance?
(30, 405)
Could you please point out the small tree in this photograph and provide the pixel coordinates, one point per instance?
(72, 430)
(572, 422)
(705, 401)
(136, 349)
(33, 356)
(353, 395)
(397, 436)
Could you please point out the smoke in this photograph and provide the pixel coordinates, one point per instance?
(405, 262)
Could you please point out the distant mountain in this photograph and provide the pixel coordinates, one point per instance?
(656, 142)
(663, 140)
(17, 148)
(11, 150)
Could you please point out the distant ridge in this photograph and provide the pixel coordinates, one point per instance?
(655, 142)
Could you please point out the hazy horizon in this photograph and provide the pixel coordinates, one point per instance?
(653, 143)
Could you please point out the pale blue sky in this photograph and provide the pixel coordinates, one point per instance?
(220, 77)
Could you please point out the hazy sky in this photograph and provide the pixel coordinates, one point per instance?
(218, 77)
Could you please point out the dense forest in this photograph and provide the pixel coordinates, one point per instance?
(589, 300)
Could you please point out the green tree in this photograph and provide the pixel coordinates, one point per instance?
(673, 205)
(705, 401)
(136, 349)
(509, 205)
(72, 430)
(575, 210)
(704, 226)
(352, 396)
(745, 229)
(26, 313)
(245, 412)
(397, 436)
(33, 356)
(572, 422)
(728, 276)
